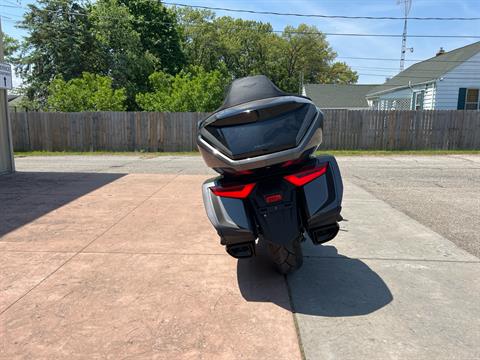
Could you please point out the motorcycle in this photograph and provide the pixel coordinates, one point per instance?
(271, 188)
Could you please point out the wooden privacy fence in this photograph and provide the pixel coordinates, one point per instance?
(154, 131)
(108, 131)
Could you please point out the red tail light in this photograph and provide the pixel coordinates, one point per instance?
(245, 172)
(273, 198)
(236, 191)
(305, 176)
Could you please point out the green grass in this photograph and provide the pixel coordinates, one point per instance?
(196, 153)
(99, 153)
(396, 152)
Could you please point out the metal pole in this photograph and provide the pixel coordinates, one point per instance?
(4, 116)
(404, 46)
(406, 10)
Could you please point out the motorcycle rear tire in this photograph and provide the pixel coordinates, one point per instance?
(286, 258)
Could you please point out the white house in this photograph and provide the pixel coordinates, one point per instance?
(450, 80)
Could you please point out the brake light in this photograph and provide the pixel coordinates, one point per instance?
(235, 191)
(273, 198)
(305, 176)
(245, 172)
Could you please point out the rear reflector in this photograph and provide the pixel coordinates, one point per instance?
(273, 198)
(236, 191)
(305, 176)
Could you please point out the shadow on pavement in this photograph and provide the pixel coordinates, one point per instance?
(328, 284)
(26, 196)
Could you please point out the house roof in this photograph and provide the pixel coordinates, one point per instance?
(12, 97)
(430, 69)
(327, 96)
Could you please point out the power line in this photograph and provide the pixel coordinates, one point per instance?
(312, 32)
(322, 15)
(12, 6)
(11, 2)
(418, 77)
(9, 14)
(47, 10)
(413, 60)
(387, 35)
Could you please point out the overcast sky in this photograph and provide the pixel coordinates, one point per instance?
(370, 71)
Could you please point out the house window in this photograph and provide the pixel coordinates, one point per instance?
(471, 100)
(418, 97)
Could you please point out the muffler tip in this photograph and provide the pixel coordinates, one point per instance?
(324, 234)
(241, 251)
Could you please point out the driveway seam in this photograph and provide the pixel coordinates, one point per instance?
(222, 254)
(295, 322)
(83, 248)
(393, 259)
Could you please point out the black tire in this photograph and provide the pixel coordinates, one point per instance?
(286, 258)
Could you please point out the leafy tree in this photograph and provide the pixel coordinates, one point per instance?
(211, 42)
(59, 42)
(193, 90)
(248, 47)
(157, 28)
(339, 73)
(124, 39)
(120, 53)
(89, 93)
(308, 54)
(11, 46)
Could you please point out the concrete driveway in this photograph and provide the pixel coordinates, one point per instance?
(113, 257)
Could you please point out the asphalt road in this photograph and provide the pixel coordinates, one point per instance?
(441, 192)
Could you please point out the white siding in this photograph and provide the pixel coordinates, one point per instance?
(429, 99)
(465, 75)
(407, 93)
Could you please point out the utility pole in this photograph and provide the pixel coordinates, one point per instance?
(5, 128)
(300, 87)
(406, 10)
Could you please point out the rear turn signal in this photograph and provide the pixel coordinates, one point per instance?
(235, 192)
(305, 176)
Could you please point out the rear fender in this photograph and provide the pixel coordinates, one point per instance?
(279, 222)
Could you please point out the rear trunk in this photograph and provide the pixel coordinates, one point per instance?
(277, 208)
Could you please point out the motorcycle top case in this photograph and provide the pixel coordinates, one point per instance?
(313, 207)
(258, 126)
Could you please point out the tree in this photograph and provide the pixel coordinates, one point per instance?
(11, 46)
(248, 47)
(158, 31)
(120, 52)
(339, 73)
(211, 42)
(89, 93)
(125, 40)
(308, 54)
(59, 42)
(191, 90)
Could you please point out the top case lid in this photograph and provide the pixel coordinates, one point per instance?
(251, 88)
